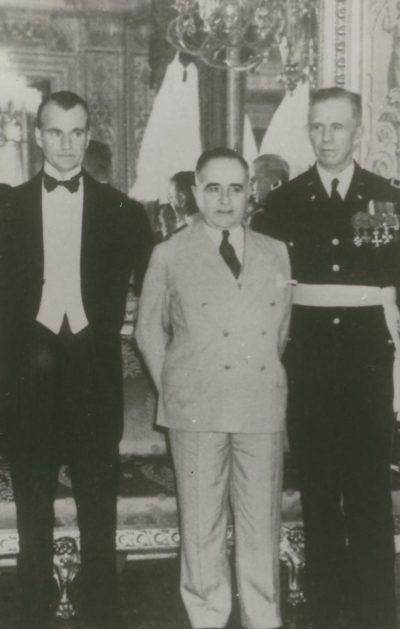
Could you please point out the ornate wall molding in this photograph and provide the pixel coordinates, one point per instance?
(43, 31)
(140, 99)
(74, 6)
(381, 87)
(101, 54)
(360, 50)
(59, 69)
(327, 43)
(340, 42)
(104, 93)
(139, 92)
(98, 32)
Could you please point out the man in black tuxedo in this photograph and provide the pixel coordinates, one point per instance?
(342, 230)
(69, 247)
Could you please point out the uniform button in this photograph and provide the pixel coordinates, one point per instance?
(227, 367)
(264, 333)
(335, 241)
(273, 303)
(262, 368)
(225, 333)
(291, 244)
(336, 268)
(336, 321)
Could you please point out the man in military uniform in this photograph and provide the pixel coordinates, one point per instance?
(340, 224)
(269, 172)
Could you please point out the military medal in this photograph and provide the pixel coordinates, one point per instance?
(378, 226)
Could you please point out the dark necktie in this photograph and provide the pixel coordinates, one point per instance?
(70, 184)
(335, 196)
(228, 253)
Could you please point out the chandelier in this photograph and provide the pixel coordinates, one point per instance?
(240, 34)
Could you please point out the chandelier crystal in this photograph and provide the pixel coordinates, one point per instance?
(240, 34)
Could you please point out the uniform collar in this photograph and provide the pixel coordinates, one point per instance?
(345, 177)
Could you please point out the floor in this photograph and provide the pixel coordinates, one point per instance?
(149, 595)
(150, 599)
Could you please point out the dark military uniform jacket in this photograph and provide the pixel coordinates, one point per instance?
(340, 370)
(322, 237)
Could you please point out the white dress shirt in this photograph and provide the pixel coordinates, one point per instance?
(62, 238)
(344, 179)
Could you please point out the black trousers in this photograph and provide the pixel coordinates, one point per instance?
(340, 428)
(67, 399)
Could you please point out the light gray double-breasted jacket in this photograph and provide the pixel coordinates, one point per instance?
(213, 344)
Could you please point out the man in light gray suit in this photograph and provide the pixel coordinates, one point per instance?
(213, 323)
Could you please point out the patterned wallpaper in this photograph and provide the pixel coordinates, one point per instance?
(360, 50)
(101, 55)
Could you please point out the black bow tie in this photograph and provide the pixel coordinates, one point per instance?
(70, 184)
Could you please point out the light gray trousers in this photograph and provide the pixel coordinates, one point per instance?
(213, 469)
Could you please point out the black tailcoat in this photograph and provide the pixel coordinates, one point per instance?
(64, 392)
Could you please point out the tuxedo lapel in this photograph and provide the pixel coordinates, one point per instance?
(31, 204)
(91, 200)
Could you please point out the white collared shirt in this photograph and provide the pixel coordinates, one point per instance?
(344, 178)
(62, 239)
(236, 238)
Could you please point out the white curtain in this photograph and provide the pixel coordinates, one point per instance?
(287, 134)
(171, 141)
(250, 151)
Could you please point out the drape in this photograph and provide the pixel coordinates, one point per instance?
(287, 134)
(171, 141)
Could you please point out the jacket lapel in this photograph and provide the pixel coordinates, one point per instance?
(90, 202)
(32, 201)
(356, 182)
(315, 186)
(210, 274)
(257, 269)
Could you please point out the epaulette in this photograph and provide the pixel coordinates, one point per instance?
(395, 182)
(276, 185)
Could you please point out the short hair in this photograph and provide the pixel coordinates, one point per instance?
(272, 164)
(338, 93)
(184, 180)
(64, 99)
(220, 152)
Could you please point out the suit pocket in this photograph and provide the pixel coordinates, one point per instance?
(183, 383)
(183, 394)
